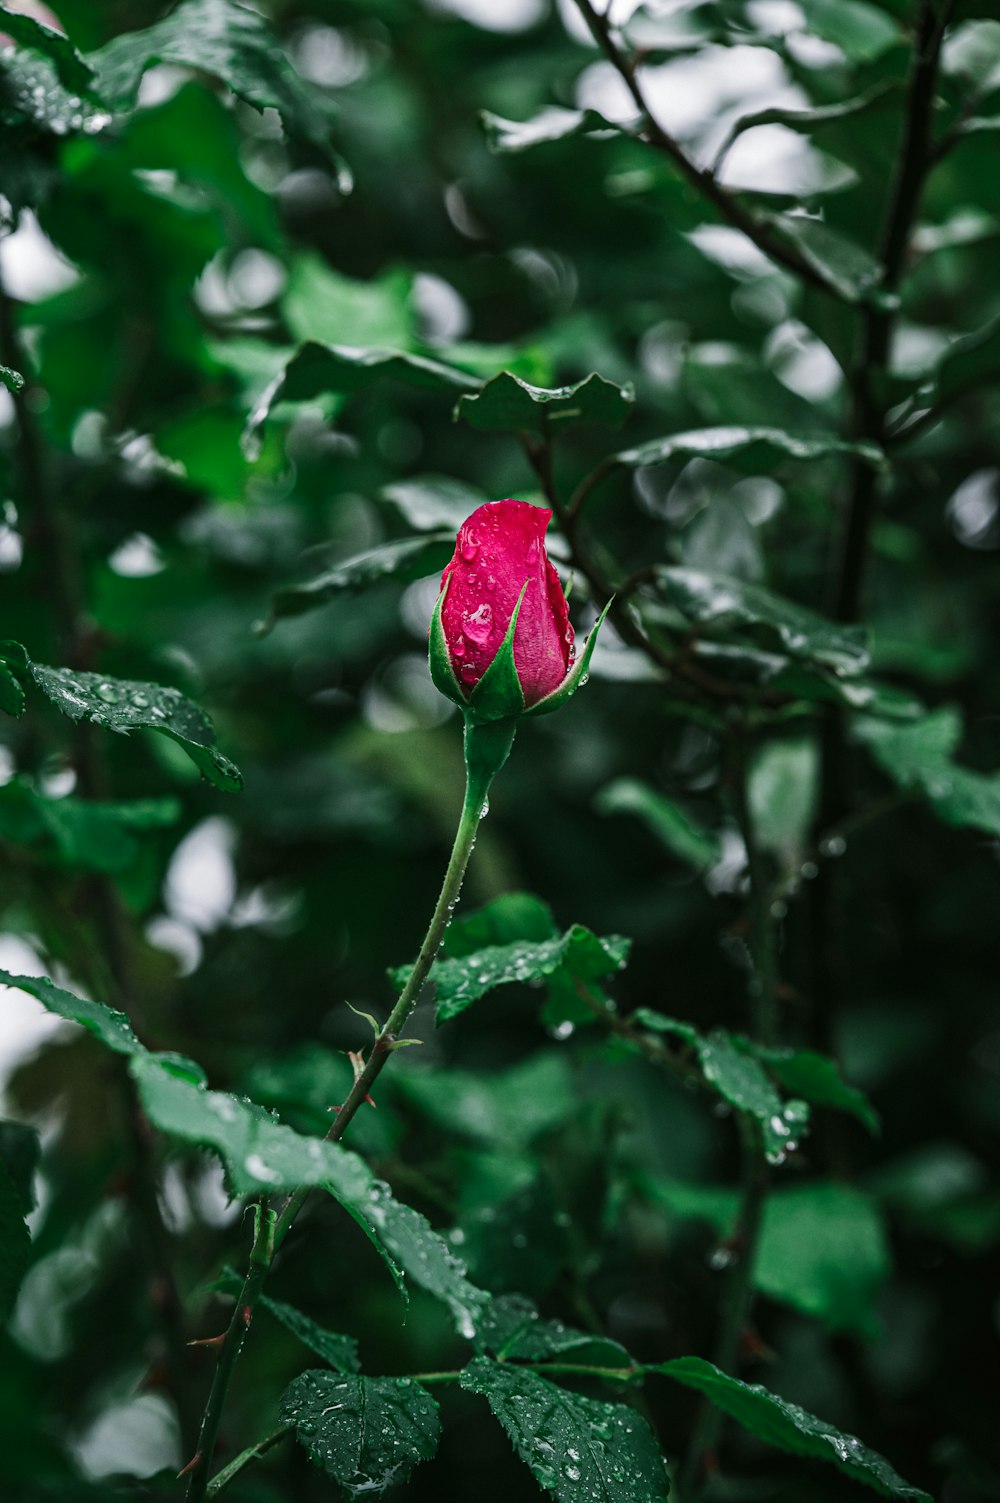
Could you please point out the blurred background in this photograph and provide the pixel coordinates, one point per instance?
(161, 263)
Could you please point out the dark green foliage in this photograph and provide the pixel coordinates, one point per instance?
(287, 290)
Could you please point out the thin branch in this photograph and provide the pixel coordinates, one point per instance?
(707, 184)
(868, 417)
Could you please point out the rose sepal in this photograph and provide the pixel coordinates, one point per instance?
(498, 694)
(442, 671)
(576, 676)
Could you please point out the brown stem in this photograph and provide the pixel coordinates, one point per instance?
(707, 184)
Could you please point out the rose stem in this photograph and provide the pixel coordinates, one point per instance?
(486, 749)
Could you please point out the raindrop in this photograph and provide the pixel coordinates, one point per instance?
(808, 870)
(139, 700)
(467, 673)
(109, 693)
(563, 1030)
(477, 626)
(780, 1127)
(833, 846)
(485, 809)
(470, 546)
(458, 648)
(532, 550)
(157, 714)
(721, 1257)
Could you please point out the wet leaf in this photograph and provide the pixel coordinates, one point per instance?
(817, 1079)
(341, 1352)
(366, 1433)
(508, 404)
(785, 1425)
(919, 756)
(512, 1330)
(404, 559)
(575, 958)
(510, 1107)
(81, 833)
(220, 37)
(73, 72)
(575, 1447)
(316, 369)
(12, 380)
(755, 450)
(554, 124)
(731, 606)
(126, 705)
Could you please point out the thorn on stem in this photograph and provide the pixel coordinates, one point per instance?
(192, 1465)
(209, 1341)
(246, 1314)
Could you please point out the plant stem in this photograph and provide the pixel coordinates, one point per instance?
(486, 749)
(702, 178)
(738, 1298)
(252, 1453)
(867, 421)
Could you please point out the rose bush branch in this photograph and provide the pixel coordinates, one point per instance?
(708, 185)
(501, 648)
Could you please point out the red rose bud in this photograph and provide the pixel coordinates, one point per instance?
(501, 641)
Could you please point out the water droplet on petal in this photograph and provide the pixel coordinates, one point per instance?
(470, 546)
(532, 550)
(477, 626)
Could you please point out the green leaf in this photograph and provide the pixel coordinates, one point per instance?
(731, 605)
(15, 1243)
(321, 305)
(73, 72)
(79, 833)
(919, 755)
(508, 404)
(805, 121)
(366, 1433)
(234, 44)
(126, 705)
(782, 794)
(755, 450)
(861, 31)
(575, 1447)
(12, 696)
(576, 957)
(508, 1108)
(262, 1154)
(733, 1072)
(341, 1352)
(429, 502)
(817, 1078)
(853, 271)
(112, 1028)
(512, 1330)
(424, 1255)
(789, 1428)
(822, 1249)
(554, 124)
(666, 819)
(967, 365)
(316, 369)
(512, 916)
(824, 1252)
(12, 380)
(404, 559)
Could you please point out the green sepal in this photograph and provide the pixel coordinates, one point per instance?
(442, 672)
(498, 694)
(576, 676)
